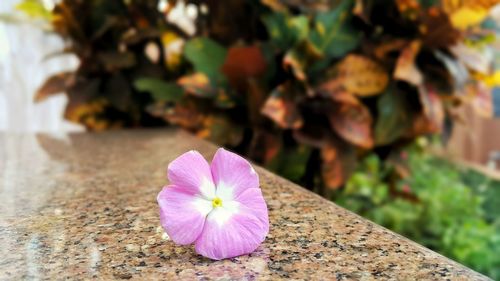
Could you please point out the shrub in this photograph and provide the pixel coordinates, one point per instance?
(432, 205)
(317, 83)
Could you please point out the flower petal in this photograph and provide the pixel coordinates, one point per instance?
(253, 200)
(191, 172)
(182, 215)
(232, 174)
(227, 235)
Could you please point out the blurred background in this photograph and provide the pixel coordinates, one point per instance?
(387, 107)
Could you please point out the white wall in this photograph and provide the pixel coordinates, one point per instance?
(22, 70)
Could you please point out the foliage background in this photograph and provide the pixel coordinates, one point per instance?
(314, 90)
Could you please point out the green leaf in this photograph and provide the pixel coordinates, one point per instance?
(333, 34)
(207, 56)
(286, 31)
(159, 89)
(394, 116)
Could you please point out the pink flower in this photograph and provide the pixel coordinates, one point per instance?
(219, 208)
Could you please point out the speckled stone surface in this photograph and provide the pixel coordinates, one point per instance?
(83, 206)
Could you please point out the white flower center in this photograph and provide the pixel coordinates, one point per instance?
(216, 204)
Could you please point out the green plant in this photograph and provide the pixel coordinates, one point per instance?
(327, 81)
(432, 205)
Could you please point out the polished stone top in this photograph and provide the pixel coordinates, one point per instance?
(83, 206)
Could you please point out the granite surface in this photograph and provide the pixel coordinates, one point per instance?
(83, 206)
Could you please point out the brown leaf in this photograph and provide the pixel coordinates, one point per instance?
(437, 30)
(352, 120)
(362, 76)
(406, 68)
(383, 50)
(279, 108)
(338, 162)
(197, 84)
(55, 84)
(243, 63)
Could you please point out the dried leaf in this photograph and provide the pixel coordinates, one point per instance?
(279, 108)
(362, 76)
(243, 63)
(56, 84)
(406, 68)
(352, 120)
(197, 84)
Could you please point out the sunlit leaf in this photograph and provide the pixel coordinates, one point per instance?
(466, 17)
(159, 89)
(406, 68)
(197, 84)
(332, 33)
(34, 9)
(362, 76)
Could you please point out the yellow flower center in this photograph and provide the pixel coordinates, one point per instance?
(217, 202)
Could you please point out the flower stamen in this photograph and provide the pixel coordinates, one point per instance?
(217, 202)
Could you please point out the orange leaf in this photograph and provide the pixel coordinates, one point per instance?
(362, 76)
(406, 69)
(243, 63)
(197, 84)
(282, 110)
(352, 120)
